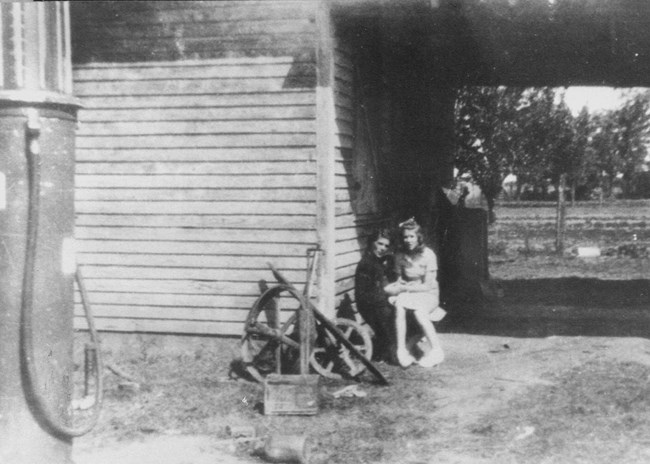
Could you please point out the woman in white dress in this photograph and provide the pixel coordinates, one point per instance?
(416, 290)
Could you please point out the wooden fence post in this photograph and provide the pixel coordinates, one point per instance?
(560, 216)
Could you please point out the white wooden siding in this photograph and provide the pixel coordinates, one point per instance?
(190, 177)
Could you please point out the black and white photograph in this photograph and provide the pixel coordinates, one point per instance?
(325, 232)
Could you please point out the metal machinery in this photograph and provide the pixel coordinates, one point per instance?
(306, 338)
(37, 270)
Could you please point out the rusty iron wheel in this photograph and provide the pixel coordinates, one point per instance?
(330, 358)
(268, 344)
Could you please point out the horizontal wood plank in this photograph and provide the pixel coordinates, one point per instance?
(222, 11)
(179, 313)
(161, 247)
(232, 29)
(232, 113)
(297, 277)
(142, 128)
(194, 154)
(357, 220)
(195, 235)
(162, 326)
(215, 262)
(257, 208)
(168, 301)
(344, 260)
(170, 287)
(346, 272)
(345, 128)
(344, 286)
(260, 223)
(209, 69)
(272, 181)
(157, 312)
(189, 86)
(260, 208)
(185, 5)
(344, 113)
(347, 246)
(286, 97)
(190, 62)
(201, 140)
(164, 168)
(141, 49)
(205, 194)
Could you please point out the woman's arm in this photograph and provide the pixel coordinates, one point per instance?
(395, 288)
(429, 283)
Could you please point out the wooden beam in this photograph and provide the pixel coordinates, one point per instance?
(325, 152)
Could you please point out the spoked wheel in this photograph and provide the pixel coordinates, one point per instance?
(332, 359)
(268, 345)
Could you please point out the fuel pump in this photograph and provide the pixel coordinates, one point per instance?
(37, 266)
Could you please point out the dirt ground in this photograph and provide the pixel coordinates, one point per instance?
(558, 371)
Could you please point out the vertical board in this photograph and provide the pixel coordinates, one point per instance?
(358, 209)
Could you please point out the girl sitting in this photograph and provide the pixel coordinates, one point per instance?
(416, 290)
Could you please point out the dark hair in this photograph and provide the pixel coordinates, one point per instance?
(376, 235)
(411, 224)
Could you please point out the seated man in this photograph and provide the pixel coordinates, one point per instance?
(371, 276)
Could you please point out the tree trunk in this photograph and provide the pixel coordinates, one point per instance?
(561, 212)
(490, 203)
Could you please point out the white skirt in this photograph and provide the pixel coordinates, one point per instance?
(417, 301)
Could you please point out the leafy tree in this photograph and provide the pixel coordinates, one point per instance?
(603, 157)
(549, 145)
(631, 137)
(532, 134)
(581, 166)
(619, 141)
(487, 136)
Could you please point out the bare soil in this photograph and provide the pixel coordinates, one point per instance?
(554, 370)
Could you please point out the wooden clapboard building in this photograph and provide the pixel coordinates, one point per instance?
(217, 136)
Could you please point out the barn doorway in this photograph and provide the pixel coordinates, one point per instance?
(571, 257)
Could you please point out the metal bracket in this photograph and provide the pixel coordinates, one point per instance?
(33, 131)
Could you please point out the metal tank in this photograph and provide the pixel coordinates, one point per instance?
(37, 129)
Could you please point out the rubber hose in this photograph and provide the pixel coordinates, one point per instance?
(48, 418)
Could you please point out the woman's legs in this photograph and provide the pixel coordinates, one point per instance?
(435, 355)
(403, 356)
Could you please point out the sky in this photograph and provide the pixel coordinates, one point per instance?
(595, 98)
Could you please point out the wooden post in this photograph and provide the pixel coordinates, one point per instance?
(561, 213)
(325, 153)
(306, 317)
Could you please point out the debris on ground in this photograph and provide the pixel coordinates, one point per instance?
(524, 432)
(349, 391)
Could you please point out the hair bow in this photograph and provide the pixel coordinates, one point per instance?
(410, 222)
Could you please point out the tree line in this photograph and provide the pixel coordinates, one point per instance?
(531, 134)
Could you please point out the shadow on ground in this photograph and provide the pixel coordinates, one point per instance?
(563, 306)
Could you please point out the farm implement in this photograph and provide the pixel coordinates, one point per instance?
(306, 340)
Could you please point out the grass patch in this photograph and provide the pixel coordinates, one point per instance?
(599, 412)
